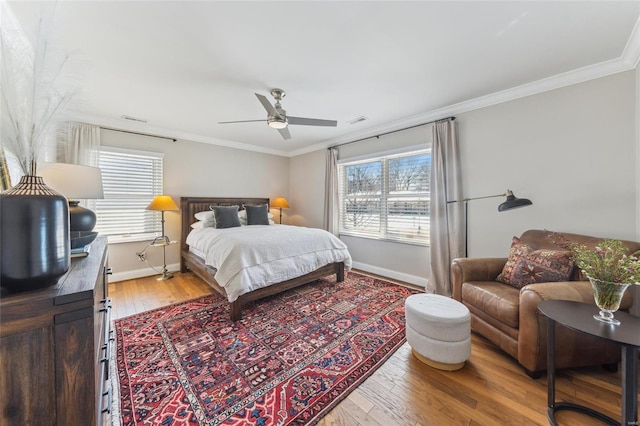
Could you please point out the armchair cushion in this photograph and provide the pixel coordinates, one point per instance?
(498, 301)
(526, 265)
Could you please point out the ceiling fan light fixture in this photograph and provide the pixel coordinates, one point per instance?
(277, 116)
(277, 122)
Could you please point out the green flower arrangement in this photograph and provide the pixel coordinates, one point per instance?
(609, 268)
(608, 261)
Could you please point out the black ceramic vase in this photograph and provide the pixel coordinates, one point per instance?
(34, 236)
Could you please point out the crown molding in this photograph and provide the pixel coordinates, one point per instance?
(580, 75)
(118, 124)
(627, 61)
(631, 53)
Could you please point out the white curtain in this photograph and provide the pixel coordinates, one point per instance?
(80, 145)
(447, 220)
(331, 192)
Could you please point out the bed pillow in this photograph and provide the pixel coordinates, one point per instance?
(226, 216)
(528, 266)
(207, 218)
(243, 214)
(243, 217)
(197, 225)
(257, 215)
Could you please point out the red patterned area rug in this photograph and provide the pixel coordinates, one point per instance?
(289, 361)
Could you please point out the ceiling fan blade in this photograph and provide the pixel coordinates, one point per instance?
(243, 121)
(285, 133)
(311, 121)
(267, 105)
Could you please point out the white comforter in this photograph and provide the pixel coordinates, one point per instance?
(250, 257)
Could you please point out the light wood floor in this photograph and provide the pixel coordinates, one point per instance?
(491, 389)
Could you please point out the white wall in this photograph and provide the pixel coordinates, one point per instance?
(404, 262)
(195, 169)
(572, 151)
(306, 189)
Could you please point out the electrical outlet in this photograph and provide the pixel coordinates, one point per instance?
(141, 257)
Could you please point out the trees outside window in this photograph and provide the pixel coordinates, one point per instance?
(386, 197)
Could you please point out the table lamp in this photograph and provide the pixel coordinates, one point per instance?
(76, 182)
(280, 203)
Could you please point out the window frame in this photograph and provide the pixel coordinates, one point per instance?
(151, 218)
(383, 233)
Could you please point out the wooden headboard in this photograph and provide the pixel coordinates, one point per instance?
(189, 206)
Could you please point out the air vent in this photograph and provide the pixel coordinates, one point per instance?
(358, 120)
(139, 120)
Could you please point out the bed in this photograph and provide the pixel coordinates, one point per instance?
(195, 261)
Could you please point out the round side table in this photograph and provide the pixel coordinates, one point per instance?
(579, 317)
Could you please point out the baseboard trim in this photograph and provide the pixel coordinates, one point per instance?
(139, 273)
(400, 276)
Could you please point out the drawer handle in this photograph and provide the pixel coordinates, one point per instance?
(108, 395)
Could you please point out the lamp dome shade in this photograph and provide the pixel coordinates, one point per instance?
(513, 202)
(280, 202)
(163, 203)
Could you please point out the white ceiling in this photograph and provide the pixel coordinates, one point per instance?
(184, 66)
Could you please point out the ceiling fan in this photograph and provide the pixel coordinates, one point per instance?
(277, 117)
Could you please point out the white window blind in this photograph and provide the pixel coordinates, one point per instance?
(130, 179)
(386, 197)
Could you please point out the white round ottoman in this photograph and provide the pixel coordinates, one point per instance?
(438, 330)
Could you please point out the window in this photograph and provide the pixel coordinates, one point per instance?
(386, 197)
(130, 179)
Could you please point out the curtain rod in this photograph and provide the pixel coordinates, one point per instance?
(138, 133)
(394, 131)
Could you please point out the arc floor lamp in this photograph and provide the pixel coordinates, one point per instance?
(511, 203)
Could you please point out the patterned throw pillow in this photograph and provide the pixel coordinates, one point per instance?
(527, 266)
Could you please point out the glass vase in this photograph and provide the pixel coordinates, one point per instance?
(607, 296)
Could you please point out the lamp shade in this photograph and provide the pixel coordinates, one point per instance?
(163, 203)
(73, 180)
(280, 202)
(513, 202)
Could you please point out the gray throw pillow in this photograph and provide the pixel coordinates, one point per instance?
(257, 215)
(226, 216)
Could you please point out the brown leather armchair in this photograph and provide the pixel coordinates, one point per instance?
(509, 317)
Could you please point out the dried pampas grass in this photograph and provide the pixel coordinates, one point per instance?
(33, 88)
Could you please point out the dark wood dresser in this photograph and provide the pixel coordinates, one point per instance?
(55, 348)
